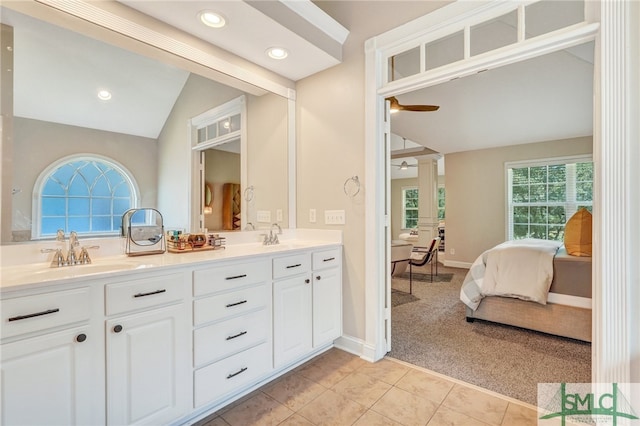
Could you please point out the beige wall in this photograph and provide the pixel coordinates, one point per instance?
(220, 167)
(475, 193)
(396, 204)
(267, 157)
(37, 144)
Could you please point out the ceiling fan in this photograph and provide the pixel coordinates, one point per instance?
(396, 106)
(404, 165)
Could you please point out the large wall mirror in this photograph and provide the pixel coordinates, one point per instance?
(142, 129)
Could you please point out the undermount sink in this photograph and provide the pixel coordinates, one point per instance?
(92, 268)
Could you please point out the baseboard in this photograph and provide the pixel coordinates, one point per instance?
(355, 346)
(456, 264)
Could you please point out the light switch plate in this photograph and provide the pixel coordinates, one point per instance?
(312, 215)
(334, 217)
(263, 216)
(279, 215)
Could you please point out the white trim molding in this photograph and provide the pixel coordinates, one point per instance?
(616, 277)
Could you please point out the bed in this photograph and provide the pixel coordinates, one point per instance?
(565, 312)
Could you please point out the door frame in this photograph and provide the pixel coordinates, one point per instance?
(616, 199)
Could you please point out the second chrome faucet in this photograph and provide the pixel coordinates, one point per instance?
(72, 257)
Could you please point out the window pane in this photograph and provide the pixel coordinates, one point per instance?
(538, 193)
(50, 225)
(63, 174)
(411, 214)
(556, 232)
(90, 172)
(493, 34)
(101, 188)
(224, 126)
(520, 194)
(100, 206)
(202, 134)
(404, 64)
(444, 51)
(54, 206)
(122, 190)
(557, 215)
(235, 123)
(78, 187)
(79, 224)
(538, 215)
(521, 215)
(584, 172)
(78, 206)
(549, 15)
(584, 191)
(558, 192)
(538, 174)
(520, 176)
(558, 173)
(53, 188)
(120, 206)
(538, 231)
(212, 131)
(101, 223)
(520, 231)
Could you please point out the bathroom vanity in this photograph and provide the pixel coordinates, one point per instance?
(163, 339)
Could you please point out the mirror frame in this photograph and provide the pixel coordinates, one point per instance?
(117, 24)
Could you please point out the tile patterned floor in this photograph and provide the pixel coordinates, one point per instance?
(340, 389)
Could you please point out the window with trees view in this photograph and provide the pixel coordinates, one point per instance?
(440, 203)
(409, 208)
(543, 195)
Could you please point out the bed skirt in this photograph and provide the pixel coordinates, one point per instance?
(552, 318)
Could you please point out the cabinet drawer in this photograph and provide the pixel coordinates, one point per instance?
(223, 305)
(216, 380)
(212, 280)
(42, 311)
(326, 259)
(291, 265)
(222, 339)
(144, 293)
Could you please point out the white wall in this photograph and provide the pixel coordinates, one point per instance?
(476, 193)
(37, 144)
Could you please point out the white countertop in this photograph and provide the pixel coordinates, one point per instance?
(32, 275)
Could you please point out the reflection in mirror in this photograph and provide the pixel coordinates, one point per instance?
(57, 75)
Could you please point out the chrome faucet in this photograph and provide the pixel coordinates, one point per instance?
(272, 238)
(72, 257)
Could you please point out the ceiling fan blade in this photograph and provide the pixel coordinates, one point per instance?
(419, 108)
(396, 106)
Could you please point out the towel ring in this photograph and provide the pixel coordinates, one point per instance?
(248, 193)
(355, 183)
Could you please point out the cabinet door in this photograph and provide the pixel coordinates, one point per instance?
(148, 367)
(291, 319)
(327, 306)
(53, 380)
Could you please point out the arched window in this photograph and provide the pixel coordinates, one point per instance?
(83, 193)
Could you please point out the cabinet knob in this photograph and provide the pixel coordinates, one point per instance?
(318, 277)
(117, 328)
(307, 281)
(81, 337)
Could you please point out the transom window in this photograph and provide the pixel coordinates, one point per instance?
(543, 195)
(409, 207)
(86, 194)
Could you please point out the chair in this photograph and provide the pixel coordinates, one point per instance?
(421, 256)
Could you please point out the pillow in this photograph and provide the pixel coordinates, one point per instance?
(577, 234)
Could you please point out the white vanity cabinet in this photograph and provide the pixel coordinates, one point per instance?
(232, 344)
(147, 349)
(52, 362)
(327, 296)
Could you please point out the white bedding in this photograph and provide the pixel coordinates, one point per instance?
(520, 268)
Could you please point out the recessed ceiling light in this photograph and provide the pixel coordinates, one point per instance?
(104, 94)
(212, 19)
(277, 52)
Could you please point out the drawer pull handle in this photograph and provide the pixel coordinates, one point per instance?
(150, 293)
(242, 333)
(329, 259)
(236, 277)
(236, 304)
(242, 370)
(37, 314)
(294, 266)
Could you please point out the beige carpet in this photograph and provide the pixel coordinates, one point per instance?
(431, 332)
